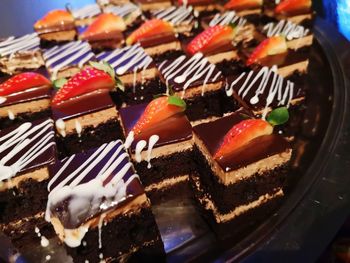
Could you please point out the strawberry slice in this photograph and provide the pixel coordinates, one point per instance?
(287, 7)
(209, 38)
(243, 4)
(241, 134)
(158, 110)
(54, 17)
(270, 46)
(85, 81)
(104, 23)
(22, 82)
(149, 28)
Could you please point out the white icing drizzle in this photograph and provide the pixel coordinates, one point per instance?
(24, 43)
(193, 69)
(285, 28)
(100, 224)
(176, 15)
(129, 139)
(78, 128)
(2, 100)
(61, 127)
(279, 90)
(11, 115)
(44, 242)
(76, 53)
(48, 257)
(151, 142)
(138, 149)
(228, 18)
(89, 198)
(123, 10)
(39, 137)
(87, 11)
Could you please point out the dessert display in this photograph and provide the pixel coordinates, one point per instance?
(112, 110)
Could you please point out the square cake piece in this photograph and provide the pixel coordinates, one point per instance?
(86, 15)
(147, 5)
(20, 53)
(98, 207)
(25, 154)
(65, 60)
(198, 82)
(161, 147)
(136, 71)
(24, 97)
(241, 169)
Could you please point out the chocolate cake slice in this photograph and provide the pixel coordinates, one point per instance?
(147, 5)
(198, 82)
(136, 71)
(201, 7)
(25, 154)
(241, 170)
(98, 207)
(65, 60)
(24, 97)
(162, 151)
(86, 15)
(20, 53)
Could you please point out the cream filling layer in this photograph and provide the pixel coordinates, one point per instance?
(167, 183)
(195, 91)
(59, 36)
(300, 42)
(155, 6)
(249, 12)
(162, 48)
(202, 8)
(234, 176)
(290, 69)
(138, 77)
(18, 224)
(25, 107)
(217, 58)
(300, 18)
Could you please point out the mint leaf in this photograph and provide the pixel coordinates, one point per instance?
(174, 100)
(104, 66)
(58, 83)
(278, 116)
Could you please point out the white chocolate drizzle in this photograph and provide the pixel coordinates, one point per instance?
(61, 127)
(123, 10)
(11, 115)
(186, 71)
(285, 28)
(151, 142)
(87, 11)
(176, 15)
(78, 128)
(2, 99)
(38, 138)
(227, 18)
(138, 149)
(100, 224)
(23, 43)
(129, 139)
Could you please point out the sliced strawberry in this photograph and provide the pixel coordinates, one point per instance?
(293, 6)
(149, 28)
(271, 46)
(158, 110)
(54, 17)
(243, 4)
(104, 23)
(210, 37)
(87, 80)
(22, 82)
(242, 133)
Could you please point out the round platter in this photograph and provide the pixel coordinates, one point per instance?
(316, 201)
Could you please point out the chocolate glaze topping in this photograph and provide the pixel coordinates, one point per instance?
(157, 39)
(213, 133)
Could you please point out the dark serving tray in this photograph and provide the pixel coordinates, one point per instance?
(317, 200)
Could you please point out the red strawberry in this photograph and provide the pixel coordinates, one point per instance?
(54, 17)
(271, 46)
(158, 110)
(149, 28)
(104, 23)
(242, 133)
(292, 6)
(22, 82)
(210, 37)
(243, 4)
(85, 81)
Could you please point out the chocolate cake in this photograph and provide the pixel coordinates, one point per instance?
(201, 7)
(98, 207)
(86, 15)
(237, 175)
(25, 154)
(24, 97)
(162, 151)
(147, 5)
(65, 60)
(20, 53)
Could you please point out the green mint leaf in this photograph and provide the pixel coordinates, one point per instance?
(58, 83)
(278, 116)
(104, 66)
(174, 100)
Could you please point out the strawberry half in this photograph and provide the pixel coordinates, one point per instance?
(104, 23)
(158, 110)
(54, 17)
(149, 28)
(22, 82)
(243, 4)
(210, 37)
(293, 6)
(85, 81)
(241, 134)
(271, 46)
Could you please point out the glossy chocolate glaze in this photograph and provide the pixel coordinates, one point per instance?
(55, 28)
(213, 133)
(173, 130)
(219, 48)
(65, 168)
(200, 2)
(157, 39)
(83, 104)
(48, 156)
